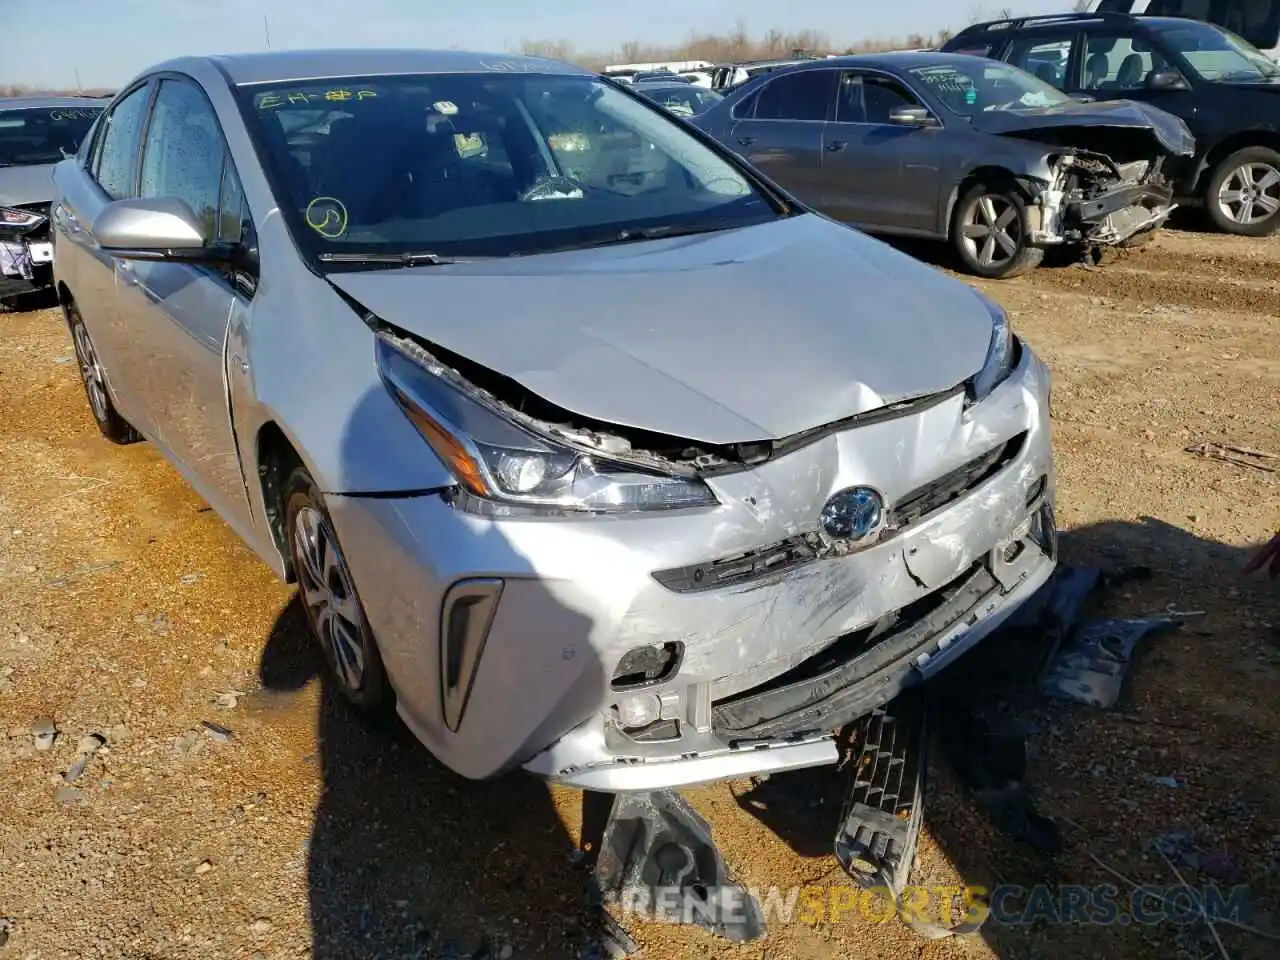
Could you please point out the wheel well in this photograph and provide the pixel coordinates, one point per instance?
(1228, 146)
(277, 458)
(995, 176)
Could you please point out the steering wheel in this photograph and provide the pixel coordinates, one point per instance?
(554, 187)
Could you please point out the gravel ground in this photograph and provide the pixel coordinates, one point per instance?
(133, 618)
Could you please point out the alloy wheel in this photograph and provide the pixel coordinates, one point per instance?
(1250, 194)
(91, 370)
(991, 232)
(324, 583)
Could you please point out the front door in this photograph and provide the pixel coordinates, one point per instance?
(880, 174)
(179, 313)
(781, 134)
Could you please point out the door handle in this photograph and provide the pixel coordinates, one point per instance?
(836, 146)
(746, 141)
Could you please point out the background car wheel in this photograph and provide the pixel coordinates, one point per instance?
(113, 426)
(328, 595)
(988, 231)
(1243, 195)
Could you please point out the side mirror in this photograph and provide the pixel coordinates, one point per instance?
(912, 117)
(154, 229)
(1167, 80)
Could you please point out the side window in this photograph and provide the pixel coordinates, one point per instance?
(183, 154)
(803, 95)
(881, 94)
(1045, 57)
(234, 225)
(118, 145)
(849, 99)
(1118, 63)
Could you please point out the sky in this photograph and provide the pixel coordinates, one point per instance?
(113, 40)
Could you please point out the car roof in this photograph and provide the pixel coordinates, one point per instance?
(1057, 22)
(283, 66)
(35, 103)
(892, 61)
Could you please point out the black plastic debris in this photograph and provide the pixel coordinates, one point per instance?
(880, 825)
(657, 859)
(990, 761)
(1090, 667)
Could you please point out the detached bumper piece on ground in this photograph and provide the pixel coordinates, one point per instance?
(658, 859)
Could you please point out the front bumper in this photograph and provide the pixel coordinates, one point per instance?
(769, 661)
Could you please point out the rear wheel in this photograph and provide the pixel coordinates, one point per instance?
(329, 599)
(988, 231)
(113, 426)
(1243, 194)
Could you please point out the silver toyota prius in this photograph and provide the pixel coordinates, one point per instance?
(589, 449)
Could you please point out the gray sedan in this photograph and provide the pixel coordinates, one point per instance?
(419, 327)
(954, 147)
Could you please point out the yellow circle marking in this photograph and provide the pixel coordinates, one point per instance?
(329, 222)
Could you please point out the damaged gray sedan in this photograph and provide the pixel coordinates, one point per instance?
(589, 450)
(960, 148)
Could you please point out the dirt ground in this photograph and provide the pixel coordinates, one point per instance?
(131, 611)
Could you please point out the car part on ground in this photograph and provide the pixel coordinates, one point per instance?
(1226, 90)
(35, 133)
(556, 524)
(657, 859)
(955, 147)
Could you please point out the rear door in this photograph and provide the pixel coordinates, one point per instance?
(780, 130)
(109, 174)
(878, 173)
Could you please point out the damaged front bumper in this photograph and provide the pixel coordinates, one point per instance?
(1061, 213)
(643, 653)
(26, 250)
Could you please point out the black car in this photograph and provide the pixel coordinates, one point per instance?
(1225, 89)
(964, 149)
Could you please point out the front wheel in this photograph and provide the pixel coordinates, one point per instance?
(989, 232)
(1243, 194)
(328, 594)
(113, 426)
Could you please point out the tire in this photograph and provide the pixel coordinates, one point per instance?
(328, 596)
(1261, 165)
(94, 378)
(982, 207)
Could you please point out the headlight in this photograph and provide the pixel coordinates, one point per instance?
(504, 463)
(23, 219)
(1000, 354)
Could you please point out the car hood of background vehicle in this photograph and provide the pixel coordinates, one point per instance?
(26, 184)
(742, 335)
(1170, 132)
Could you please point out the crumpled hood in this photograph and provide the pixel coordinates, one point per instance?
(742, 335)
(1170, 132)
(26, 184)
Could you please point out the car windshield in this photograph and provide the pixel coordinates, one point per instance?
(481, 165)
(33, 135)
(984, 85)
(1217, 54)
(684, 100)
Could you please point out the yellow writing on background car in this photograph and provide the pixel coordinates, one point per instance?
(269, 101)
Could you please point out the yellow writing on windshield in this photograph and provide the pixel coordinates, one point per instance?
(270, 101)
(327, 216)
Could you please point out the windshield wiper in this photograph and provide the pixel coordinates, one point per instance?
(634, 234)
(421, 259)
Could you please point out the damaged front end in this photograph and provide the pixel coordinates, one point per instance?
(1099, 198)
